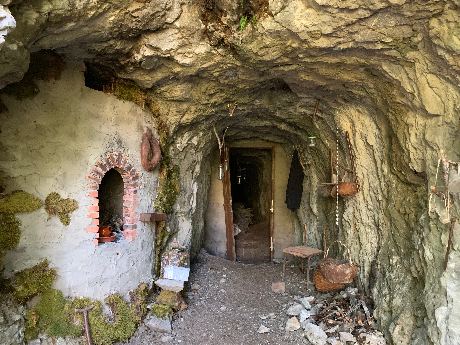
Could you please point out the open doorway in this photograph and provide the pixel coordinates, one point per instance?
(251, 190)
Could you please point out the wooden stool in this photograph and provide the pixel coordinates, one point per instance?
(303, 253)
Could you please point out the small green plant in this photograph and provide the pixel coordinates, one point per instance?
(244, 21)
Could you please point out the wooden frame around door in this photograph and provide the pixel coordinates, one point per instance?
(227, 191)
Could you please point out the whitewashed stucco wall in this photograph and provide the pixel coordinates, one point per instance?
(50, 143)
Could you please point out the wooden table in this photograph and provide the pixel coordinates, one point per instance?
(302, 252)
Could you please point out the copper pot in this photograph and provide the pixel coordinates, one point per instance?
(105, 231)
(345, 189)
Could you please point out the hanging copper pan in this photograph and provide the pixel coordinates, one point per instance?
(345, 189)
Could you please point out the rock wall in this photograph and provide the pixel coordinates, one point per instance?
(50, 143)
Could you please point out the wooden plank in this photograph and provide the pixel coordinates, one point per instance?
(153, 217)
(272, 209)
(302, 251)
(227, 190)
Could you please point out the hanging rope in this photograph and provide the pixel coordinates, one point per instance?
(352, 160)
(337, 179)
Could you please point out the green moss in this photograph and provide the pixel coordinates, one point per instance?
(18, 202)
(52, 316)
(162, 311)
(161, 240)
(169, 186)
(33, 281)
(106, 332)
(9, 231)
(128, 91)
(139, 300)
(170, 298)
(56, 206)
(56, 316)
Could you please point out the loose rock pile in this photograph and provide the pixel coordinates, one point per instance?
(336, 319)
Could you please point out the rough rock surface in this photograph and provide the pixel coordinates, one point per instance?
(11, 323)
(386, 71)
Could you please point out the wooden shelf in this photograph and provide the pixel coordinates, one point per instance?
(153, 217)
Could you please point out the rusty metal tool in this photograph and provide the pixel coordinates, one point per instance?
(85, 311)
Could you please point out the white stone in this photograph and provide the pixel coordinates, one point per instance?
(176, 273)
(304, 315)
(292, 324)
(334, 341)
(347, 337)
(295, 309)
(159, 325)
(263, 329)
(7, 23)
(304, 301)
(375, 338)
(315, 334)
(170, 284)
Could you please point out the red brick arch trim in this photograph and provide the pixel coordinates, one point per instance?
(118, 161)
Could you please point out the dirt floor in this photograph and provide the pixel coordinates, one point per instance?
(227, 304)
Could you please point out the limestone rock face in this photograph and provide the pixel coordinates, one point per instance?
(11, 323)
(385, 71)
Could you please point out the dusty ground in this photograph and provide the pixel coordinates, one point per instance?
(227, 306)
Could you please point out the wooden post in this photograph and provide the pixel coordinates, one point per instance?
(227, 189)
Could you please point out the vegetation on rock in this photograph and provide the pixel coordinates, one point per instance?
(162, 311)
(169, 186)
(52, 316)
(126, 316)
(56, 206)
(56, 316)
(33, 281)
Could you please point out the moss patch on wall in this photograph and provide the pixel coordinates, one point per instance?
(161, 240)
(18, 202)
(9, 232)
(169, 186)
(53, 316)
(128, 91)
(33, 281)
(57, 206)
(14, 202)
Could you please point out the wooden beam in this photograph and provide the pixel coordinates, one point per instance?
(153, 217)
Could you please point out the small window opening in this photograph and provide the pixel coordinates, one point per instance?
(111, 206)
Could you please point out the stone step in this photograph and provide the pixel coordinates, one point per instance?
(170, 284)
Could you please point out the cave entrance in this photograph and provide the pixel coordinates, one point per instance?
(251, 192)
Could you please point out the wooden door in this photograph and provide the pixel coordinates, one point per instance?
(227, 189)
